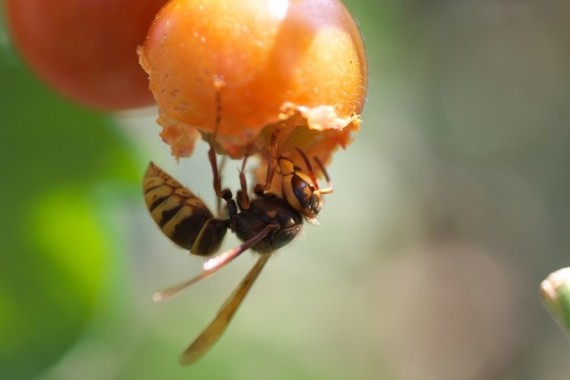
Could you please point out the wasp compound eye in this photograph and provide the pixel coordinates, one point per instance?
(307, 196)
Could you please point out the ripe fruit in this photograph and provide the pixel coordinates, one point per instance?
(278, 73)
(86, 49)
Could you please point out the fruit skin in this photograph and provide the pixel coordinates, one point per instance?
(86, 49)
(294, 65)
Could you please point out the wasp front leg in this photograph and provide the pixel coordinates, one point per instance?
(218, 84)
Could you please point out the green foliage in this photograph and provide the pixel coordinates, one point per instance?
(55, 247)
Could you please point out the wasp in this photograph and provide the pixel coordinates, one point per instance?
(264, 222)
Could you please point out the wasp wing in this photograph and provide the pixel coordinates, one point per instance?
(216, 328)
(213, 265)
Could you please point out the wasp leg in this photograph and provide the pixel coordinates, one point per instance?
(218, 84)
(214, 264)
(219, 198)
(242, 197)
(264, 188)
(272, 165)
(221, 260)
(311, 172)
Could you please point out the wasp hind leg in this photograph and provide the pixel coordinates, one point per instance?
(215, 263)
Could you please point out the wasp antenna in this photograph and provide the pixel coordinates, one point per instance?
(329, 188)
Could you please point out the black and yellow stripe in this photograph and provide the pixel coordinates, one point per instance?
(181, 215)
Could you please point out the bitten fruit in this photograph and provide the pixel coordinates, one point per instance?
(276, 75)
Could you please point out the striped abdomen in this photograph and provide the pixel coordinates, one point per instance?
(182, 216)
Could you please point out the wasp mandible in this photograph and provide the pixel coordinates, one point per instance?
(264, 223)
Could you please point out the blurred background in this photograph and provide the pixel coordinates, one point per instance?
(450, 207)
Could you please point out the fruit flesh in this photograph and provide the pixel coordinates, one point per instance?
(288, 74)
